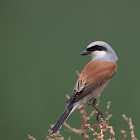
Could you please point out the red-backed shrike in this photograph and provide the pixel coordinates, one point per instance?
(92, 80)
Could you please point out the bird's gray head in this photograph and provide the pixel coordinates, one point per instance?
(100, 50)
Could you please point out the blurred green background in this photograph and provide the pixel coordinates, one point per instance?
(39, 53)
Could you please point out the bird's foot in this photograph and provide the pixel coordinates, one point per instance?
(95, 101)
(99, 116)
(99, 113)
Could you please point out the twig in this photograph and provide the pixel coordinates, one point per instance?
(131, 126)
(31, 138)
(124, 134)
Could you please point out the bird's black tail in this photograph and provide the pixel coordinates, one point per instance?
(61, 120)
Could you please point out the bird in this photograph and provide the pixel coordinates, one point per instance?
(92, 80)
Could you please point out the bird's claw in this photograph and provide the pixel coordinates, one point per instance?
(95, 101)
(99, 116)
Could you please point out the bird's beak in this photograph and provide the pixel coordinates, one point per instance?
(85, 52)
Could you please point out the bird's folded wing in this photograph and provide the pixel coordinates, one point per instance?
(93, 75)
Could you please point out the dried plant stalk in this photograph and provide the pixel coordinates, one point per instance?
(103, 125)
(78, 73)
(124, 134)
(131, 129)
(131, 126)
(31, 138)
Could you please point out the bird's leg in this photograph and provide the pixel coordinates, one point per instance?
(94, 102)
(95, 107)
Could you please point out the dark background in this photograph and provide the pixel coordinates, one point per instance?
(39, 53)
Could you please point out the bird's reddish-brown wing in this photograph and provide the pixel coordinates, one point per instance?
(94, 74)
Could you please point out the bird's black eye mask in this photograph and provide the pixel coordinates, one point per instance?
(96, 48)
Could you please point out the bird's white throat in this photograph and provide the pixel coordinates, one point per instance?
(97, 54)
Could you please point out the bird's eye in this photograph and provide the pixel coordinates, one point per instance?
(93, 48)
(96, 48)
(90, 49)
